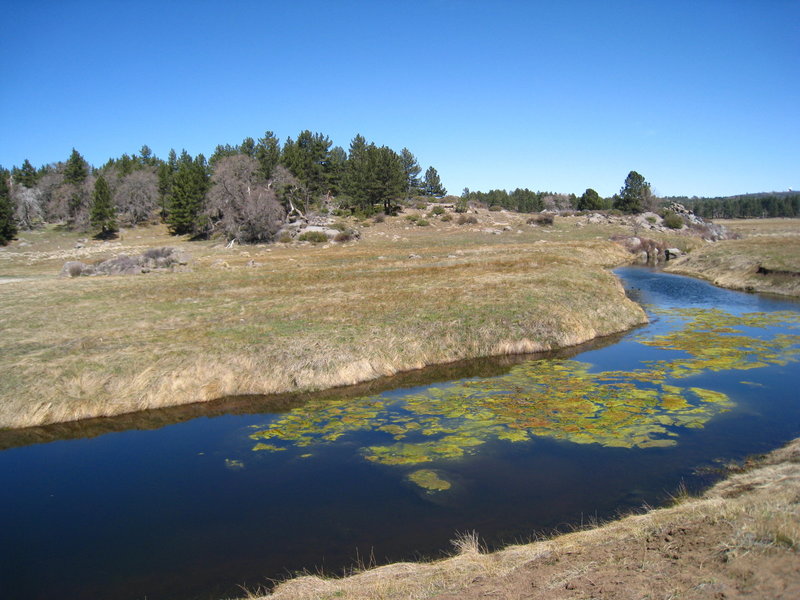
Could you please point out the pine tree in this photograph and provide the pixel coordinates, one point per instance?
(634, 195)
(433, 185)
(306, 159)
(248, 147)
(268, 154)
(146, 156)
(335, 169)
(590, 200)
(102, 214)
(356, 173)
(8, 227)
(387, 177)
(189, 186)
(75, 170)
(166, 171)
(412, 170)
(26, 175)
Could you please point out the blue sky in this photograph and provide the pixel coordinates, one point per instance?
(701, 97)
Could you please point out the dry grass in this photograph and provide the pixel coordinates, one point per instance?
(743, 535)
(766, 258)
(268, 319)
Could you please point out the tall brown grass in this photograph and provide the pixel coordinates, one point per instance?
(290, 318)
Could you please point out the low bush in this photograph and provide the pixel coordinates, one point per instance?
(380, 218)
(672, 220)
(339, 226)
(343, 236)
(412, 218)
(467, 220)
(422, 223)
(447, 218)
(437, 210)
(315, 237)
(285, 238)
(495, 208)
(541, 219)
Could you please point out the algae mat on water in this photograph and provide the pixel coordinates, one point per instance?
(563, 399)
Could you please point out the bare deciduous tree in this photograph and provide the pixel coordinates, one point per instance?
(136, 197)
(240, 207)
(28, 206)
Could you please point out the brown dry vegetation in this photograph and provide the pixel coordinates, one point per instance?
(269, 319)
(763, 259)
(739, 540)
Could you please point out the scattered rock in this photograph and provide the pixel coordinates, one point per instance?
(155, 259)
(672, 253)
(414, 256)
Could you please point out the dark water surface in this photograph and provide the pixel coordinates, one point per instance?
(507, 448)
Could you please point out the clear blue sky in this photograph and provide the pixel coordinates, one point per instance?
(702, 97)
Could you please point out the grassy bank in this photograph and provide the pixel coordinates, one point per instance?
(270, 319)
(740, 539)
(765, 258)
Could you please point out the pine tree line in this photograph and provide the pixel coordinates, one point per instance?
(240, 191)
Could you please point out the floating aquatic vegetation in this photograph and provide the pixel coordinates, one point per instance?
(233, 464)
(561, 399)
(430, 480)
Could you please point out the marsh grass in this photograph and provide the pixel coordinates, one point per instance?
(303, 318)
(765, 257)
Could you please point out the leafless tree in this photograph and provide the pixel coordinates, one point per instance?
(136, 197)
(238, 206)
(27, 206)
(69, 203)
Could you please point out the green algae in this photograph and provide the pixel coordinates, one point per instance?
(559, 399)
(429, 480)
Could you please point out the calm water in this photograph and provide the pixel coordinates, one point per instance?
(197, 508)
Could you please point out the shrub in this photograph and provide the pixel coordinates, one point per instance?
(379, 218)
(446, 218)
(467, 219)
(315, 237)
(412, 218)
(651, 219)
(422, 223)
(672, 220)
(343, 236)
(495, 208)
(437, 210)
(285, 238)
(339, 226)
(156, 253)
(541, 219)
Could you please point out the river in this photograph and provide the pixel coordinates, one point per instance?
(509, 448)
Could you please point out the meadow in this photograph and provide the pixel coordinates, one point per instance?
(289, 317)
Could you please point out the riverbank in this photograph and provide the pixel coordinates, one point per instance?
(739, 539)
(763, 259)
(292, 317)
